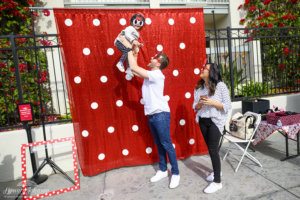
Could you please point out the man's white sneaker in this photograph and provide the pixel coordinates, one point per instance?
(174, 181)
(120, 66)
(129, 72)
(213, 187)
(211, 177)
(159, 175)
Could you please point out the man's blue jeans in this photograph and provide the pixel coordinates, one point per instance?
(160, 127)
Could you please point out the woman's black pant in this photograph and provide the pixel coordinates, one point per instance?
(212, 136)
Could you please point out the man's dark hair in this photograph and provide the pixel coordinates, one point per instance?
(164, 60)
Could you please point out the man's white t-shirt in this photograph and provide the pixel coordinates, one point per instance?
(153, 93)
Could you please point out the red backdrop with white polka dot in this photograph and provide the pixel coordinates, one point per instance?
(107, 109)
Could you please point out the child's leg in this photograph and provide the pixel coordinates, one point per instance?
(123, 49)
(124, 56)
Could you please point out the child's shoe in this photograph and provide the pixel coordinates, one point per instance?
(129, 72)
(120, 66)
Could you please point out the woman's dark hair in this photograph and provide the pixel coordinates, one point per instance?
(214, 78)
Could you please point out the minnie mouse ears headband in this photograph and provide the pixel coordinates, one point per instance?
(138, 20)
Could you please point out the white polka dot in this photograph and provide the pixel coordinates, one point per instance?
(96, 22)
(101, 156)
(119, 103)
(110, 51)
(174, 146)
(125, 152)
(111, 129)
(182, 45)
(192, 20)
(171, 21)
(159, 47)
(68, 22)
(196, 71)
(86, 51)
(167, 97)
(103, 79)
(77, 79)
(94, 105)
(192, 141)
(128, 77)
(148, 150)
(182, 122)
(135, 128)
(142, 101)
(85, 133)
(148, 21)
(122, 21)
(187, 95)
(175, 72)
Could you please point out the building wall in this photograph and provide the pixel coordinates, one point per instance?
(235, 15)
(10, 141)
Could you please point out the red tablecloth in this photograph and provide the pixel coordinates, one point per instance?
(265, 129)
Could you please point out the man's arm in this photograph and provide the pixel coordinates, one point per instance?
(138, 71)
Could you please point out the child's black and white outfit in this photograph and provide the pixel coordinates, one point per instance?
(131, 34)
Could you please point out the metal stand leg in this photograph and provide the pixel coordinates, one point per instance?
(287, 147)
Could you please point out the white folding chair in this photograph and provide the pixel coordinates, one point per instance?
(235, 142)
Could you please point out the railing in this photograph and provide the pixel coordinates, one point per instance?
(257, 62)
(21, 75)
(253, 66)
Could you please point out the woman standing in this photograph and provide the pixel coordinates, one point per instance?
(212, 103)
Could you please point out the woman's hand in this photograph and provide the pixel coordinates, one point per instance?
(198, 106)
(207, 102)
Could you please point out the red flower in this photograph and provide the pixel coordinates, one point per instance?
(30, 2)
(281, 25)
(246, 2)
(286, 51)
(2, 65)
(242, 21)
(262, 11)
(22, 67)
(294, 1)
(259, 18)
(267, 14)
(286, 17)
(281, 66)
(263, 24)
(252, 8)
(267, 2)
(12, 69)
(248, 40)
(240, 6)
(46, 12)
(270, 25)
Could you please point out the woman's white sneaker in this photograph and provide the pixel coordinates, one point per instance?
(159, 175)
(174, 181)
(213, 187)
(211, 177)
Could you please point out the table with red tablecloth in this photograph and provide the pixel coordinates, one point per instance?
(289, 131)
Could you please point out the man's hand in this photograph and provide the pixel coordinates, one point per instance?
(135, 43)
